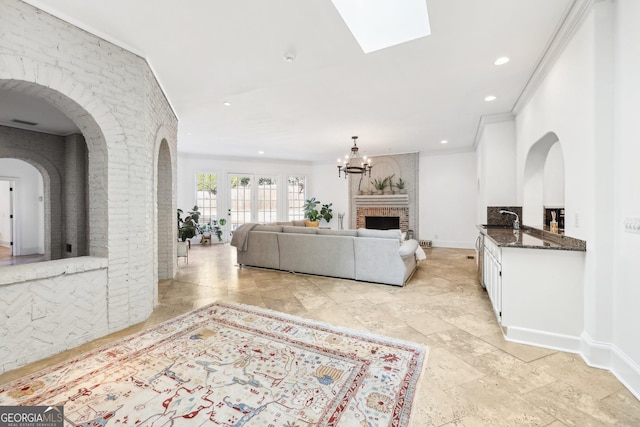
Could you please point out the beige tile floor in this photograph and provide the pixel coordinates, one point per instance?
(473, 377)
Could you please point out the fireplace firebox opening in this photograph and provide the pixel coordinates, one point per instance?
(382, 222)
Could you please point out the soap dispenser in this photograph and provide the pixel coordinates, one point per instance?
(553, 226)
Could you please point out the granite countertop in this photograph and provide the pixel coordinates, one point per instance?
(532, 238)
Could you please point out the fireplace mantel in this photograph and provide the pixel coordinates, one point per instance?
(386, 200)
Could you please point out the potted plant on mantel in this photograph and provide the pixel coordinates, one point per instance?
(380, 184)
(313, 215)
(400, 186)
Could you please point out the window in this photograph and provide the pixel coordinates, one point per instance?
(296, 196)
(206, 197)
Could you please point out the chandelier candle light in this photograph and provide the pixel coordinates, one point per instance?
(353, 163)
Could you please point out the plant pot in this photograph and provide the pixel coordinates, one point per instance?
(311, 223)
(379, 192)
(387, 192)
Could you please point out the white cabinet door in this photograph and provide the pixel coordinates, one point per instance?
(492, 273)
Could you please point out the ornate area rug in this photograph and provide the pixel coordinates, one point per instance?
(233, 365)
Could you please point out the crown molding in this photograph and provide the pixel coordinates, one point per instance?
(570, 22)
(490, 118)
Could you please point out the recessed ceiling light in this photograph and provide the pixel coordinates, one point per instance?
(260, 152)
(226, 104)
(490, 98)
(501, 61)
(444, 141)
(289, 57)
(189, 134)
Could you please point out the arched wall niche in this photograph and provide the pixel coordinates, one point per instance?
(165, 212)
(86, 112)
(537, 167)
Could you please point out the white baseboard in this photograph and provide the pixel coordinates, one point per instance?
(544, 339)
(452, 244)
(597, 354)
(608, 356)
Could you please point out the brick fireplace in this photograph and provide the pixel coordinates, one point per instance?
(382, 206)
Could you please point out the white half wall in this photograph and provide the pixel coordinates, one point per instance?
(448, 190)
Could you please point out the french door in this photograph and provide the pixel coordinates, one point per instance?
(252, 198)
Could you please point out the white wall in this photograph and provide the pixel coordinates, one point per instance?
(496, 171)
(5, 212)
(599, 136)
(326, 186)
(28, 193)
(554, 177)
(448, 190)
(626, 285)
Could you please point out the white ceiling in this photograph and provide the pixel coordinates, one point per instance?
(404, 98)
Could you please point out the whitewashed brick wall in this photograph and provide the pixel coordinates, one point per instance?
(53, 305)
(113, 97)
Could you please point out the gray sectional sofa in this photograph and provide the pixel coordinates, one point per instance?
(379, 256)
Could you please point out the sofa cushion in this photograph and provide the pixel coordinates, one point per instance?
(325, 232)
(282, 223)
(408, 247)
(300, 230)
(299, 222)
(265, 227)
(380, 234)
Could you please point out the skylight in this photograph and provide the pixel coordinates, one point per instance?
(377, 24)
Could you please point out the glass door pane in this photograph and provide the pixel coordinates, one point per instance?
(267, 200)
(240, 192)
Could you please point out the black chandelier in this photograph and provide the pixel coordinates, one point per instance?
(353, 163)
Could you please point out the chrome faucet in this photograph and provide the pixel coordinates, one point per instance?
(516, 222)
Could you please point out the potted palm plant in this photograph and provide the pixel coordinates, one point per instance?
(380, 184)
(400, 186)
(313, 215)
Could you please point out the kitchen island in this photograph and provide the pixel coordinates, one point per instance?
(535, 283)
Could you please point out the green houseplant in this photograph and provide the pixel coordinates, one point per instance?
(313, 214)
(400, 186)
(380, 184)
(188, 227)
(217, 228)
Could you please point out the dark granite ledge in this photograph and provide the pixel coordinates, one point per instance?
(532, 238)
